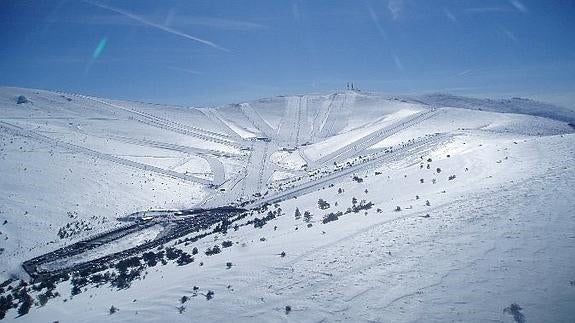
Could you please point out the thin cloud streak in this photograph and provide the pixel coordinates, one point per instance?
(449, 15)
(172, 21)
(375, 20)
(216, 23)
(487, 10)
(397, 62)
(518, 5)
(509, 34)
(157, 26)
(185, 70)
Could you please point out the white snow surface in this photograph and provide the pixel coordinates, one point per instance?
(486, 216)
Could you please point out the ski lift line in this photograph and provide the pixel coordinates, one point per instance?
(257, 121)
(174, 147)
(96, 154)
(298, 123)
(152, 116)
(370, 139)
(169, 124)
(213, 115)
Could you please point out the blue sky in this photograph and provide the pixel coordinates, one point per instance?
(207, 52)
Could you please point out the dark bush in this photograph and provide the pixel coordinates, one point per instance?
(322, 204)
(173, 253)
(27, 302)
(515, 310)
(331, 217)
(22, 99)
(213, 251)
(184, 259)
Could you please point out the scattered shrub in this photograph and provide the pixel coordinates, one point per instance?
(331, 217)
(515, 310)
(184, 259)
(213, 251)
(22, 99)
(322, 204)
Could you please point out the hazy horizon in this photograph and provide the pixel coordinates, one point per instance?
(207, 54)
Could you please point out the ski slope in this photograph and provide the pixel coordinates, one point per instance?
(435, 208)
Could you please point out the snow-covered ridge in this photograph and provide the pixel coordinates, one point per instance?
(511, 105)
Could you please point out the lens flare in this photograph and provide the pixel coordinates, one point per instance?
(100, 48)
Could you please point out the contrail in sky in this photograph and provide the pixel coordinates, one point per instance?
(155, 25)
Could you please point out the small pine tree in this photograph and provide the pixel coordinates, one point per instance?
(297, 214)
(307, 216)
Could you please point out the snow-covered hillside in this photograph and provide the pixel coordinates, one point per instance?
(343, 207)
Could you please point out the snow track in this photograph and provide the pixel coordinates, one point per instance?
(254, 117)
(170, 125)
(212, 114)
(173, 147)
(286, 129)
(371, 139)
(19, 131)
(338, 110)
(254, 180)
(321, 117)
(290, 130)
(217, 168)
(302, 126)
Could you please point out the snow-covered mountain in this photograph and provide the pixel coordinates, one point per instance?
(345, 207)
